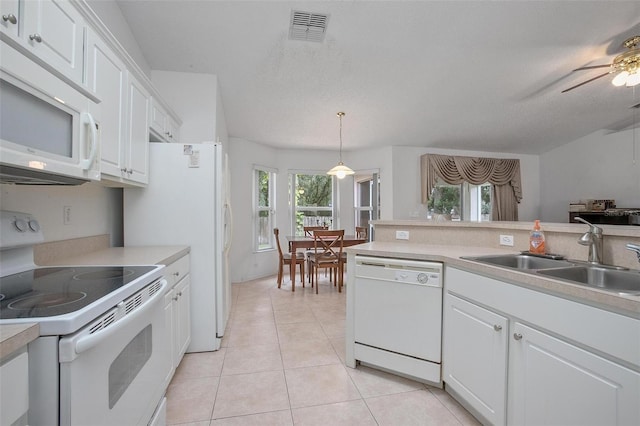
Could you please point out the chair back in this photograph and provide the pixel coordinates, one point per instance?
(276, 232)
(328, 244)
(308, 230)
(361, 232)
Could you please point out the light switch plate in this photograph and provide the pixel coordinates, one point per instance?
(402, 235)
(506, 240)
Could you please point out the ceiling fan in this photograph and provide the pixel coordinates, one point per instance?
(626, 65)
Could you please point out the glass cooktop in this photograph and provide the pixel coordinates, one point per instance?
(47, 292)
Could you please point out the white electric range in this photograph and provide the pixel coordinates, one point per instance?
(104, 351)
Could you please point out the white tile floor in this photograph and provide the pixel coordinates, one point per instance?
(282, 363)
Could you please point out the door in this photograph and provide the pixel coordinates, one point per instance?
(54, 31)
(138, 148)
(106, 77)
(475, 356)
(555, 383)
(114, 370)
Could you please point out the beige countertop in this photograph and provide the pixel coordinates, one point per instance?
(134, 255)
(15, 336)
(450, 255)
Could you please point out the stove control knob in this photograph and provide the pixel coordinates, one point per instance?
(34, 225)
(20, 225)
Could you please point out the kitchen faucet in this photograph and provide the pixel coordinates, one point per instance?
(593, 239)
(636, 248)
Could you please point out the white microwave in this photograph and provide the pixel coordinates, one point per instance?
(47, 135)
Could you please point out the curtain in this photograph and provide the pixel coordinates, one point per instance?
(502, 174)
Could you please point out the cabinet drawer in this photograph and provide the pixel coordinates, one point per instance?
(177, 270)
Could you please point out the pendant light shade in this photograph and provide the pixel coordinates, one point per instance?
(340, 171)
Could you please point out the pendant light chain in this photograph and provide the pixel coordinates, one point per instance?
(340, 171)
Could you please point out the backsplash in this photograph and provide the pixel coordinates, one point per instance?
(560, 238)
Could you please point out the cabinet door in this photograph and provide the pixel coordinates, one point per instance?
(54, 31)
(138, 136)
(475, 356)
(554, 382)
(169, 319)
(10, 21)
(182, 316)
(158, 118)
(106, 77)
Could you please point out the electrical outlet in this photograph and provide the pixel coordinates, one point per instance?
(66, 215)
(506, 240)
(402, 235)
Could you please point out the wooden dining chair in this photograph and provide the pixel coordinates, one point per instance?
(327, 254)
(285, 259)
(308, 232)
(362, 232)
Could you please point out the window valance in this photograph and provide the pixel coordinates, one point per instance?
(503, 174)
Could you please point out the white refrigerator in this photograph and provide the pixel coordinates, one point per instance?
(186, 203)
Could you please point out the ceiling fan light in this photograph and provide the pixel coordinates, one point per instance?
(633, 79)
(620, 79)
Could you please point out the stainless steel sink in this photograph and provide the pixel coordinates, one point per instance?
(622, 282)
(521, 261)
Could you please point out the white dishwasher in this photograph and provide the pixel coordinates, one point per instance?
(397, 316)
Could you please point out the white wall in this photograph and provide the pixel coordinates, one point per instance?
(95, 209)
(597, 166)
(110, 14)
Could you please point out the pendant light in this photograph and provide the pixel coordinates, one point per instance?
(340, 171)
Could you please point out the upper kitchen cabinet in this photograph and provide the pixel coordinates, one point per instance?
(164, 127)
(51, 32)
(136, 160)
(107, 79)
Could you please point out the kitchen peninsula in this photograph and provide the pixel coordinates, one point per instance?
(544, 342)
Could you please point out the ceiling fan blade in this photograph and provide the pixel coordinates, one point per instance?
(585, 82)
(591, 67)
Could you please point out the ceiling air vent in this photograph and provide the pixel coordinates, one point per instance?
(307, 26)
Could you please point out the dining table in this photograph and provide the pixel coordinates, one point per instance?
(297, 242)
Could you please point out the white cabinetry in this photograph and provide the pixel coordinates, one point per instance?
(14, 389)
(136, 159)
(562, 362)
(178, 307)
(49, 31)
(107, 79)
(555, 382)
(475, 354)
(163, 127)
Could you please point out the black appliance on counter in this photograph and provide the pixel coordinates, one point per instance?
(612, 216)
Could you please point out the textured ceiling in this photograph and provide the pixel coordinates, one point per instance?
(480, 75)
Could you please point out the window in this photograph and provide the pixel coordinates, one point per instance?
(312, 203)
(264, 207)
(461, 202)
(367, 200)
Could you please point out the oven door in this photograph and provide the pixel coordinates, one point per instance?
(113, 371)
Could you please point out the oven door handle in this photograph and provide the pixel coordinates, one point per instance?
(85, 343)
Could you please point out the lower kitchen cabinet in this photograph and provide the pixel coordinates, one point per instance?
(521, 357)
(554, 382)
(475, 354)
(178, 308)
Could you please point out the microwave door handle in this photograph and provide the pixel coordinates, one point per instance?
(87, 342)
(88, 162)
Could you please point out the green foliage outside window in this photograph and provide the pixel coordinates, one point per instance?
(444, 198)
(313, 191)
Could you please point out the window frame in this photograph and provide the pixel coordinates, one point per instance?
(269, 245)
(470, 201)
(294, 208)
